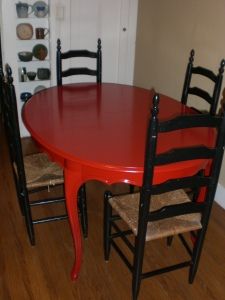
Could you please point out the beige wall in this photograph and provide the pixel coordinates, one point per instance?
(166, 32)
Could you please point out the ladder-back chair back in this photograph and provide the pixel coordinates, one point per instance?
(60, 56)
(216, 80)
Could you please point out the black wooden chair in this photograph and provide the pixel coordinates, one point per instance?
(60, 56)
(216, 80)
(32, 173)
(165, 210)
(61, 73)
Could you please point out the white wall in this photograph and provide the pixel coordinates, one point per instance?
(166, 32)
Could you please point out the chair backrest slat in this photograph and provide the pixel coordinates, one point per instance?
(176, 210)
(78, 53)
(189, 121)
(201, 93)
(184, 154)
(79, 71)
(192, 182)
(204, 72)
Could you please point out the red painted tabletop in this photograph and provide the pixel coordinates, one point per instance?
(103, 125)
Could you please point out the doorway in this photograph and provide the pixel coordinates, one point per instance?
(79, 23)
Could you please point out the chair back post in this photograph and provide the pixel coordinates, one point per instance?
(151, 142)
(99, 62)
(14, 141)
(144, 204)
(217, 88)
(2, 90)
(15, 127)
(1, 80)
(187, 78)
(216, 167)
(58, 63)
(217, 163)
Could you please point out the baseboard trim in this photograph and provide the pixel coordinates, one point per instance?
(220, 195)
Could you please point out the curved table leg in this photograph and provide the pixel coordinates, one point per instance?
(72, 185)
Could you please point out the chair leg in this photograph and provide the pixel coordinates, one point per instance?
(82, 203)
(28, 219)
(19, 191)
(196, 254)
(20, 198)
(107, 225)
(131, 188)
(138, 262)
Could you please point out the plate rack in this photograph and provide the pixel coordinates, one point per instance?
(37, 43)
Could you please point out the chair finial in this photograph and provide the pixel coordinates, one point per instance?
(192, 54)
(222, 65)
(1, 72)
(155, 105)
(99, 44)
(58, 44)
(9, 73)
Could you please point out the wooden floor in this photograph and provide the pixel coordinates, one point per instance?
(42, 272)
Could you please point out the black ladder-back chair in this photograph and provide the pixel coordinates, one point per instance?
(165, 210)
(60, 56)
(216, 79)
(81, 70)
(32, 173)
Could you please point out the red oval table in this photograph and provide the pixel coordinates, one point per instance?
(97, 132)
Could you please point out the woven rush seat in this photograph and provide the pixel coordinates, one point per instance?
(127, 206)
(40, 171)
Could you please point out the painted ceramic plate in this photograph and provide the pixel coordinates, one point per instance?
(40, 9)
(24, 31)
(39, 88)
(40, 51)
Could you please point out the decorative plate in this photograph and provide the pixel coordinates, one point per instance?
(24, 31)
(39, 88)
(40, 51)
(40, 9)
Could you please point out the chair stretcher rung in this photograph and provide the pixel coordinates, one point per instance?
(166, 269)
(123, 257)
(185, 244)
(122, 235)
(50, 219)
(47, 201)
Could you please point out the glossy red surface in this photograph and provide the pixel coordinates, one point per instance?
(98, 132)
(102, 126)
